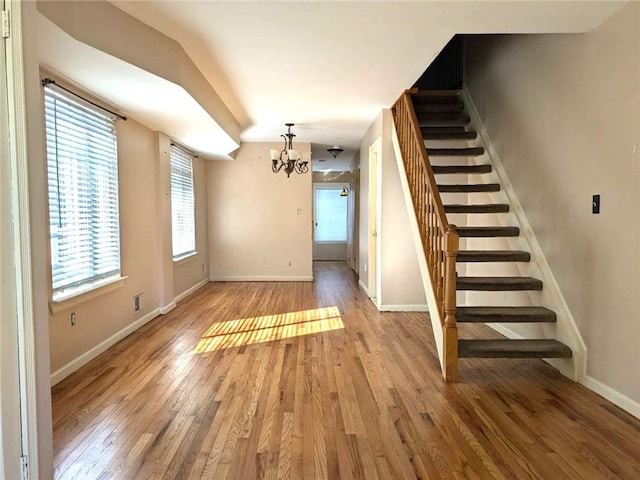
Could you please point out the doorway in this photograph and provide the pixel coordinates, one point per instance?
(330, 221)
(10, 426)
(371, 265)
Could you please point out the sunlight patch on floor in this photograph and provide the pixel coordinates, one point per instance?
(247, 331)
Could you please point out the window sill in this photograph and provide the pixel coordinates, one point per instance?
(84, 294)
(189, 257)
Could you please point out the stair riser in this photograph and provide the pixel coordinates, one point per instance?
(433, 99)
(447, 107)
(432, 122)
(455, 152)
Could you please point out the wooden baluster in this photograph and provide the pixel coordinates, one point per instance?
(450, 328)
(439, 271)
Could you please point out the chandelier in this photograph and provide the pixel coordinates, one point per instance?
(288, 159)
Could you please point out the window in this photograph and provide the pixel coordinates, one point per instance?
(82, 171)
(183, 225)
(331, 214)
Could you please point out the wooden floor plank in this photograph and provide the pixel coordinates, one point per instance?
(308, 380)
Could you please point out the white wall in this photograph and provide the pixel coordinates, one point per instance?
(142, 222)
(400, 281)
(260, 223)
(563, 112)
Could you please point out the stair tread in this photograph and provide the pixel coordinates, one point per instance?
(504, 314)
(449, 129)
(467, 188)
(456, 152)
(463, 135)
(451, 169)
(493, 256)
(537, 348)
(477, 208)
(475, 232)
(494, 284)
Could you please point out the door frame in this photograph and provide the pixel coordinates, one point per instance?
(20, 249)
(11, 437)
(374, 221)
(329, 186)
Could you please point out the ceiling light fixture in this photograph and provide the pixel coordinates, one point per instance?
(288, 159)
(335, 150)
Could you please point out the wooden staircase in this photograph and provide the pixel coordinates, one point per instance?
(436, 120)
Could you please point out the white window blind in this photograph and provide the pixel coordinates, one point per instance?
(331, 215)
(82, 170)
(183, 215)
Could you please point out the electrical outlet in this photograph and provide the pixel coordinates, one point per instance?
(289, 262)
(204, 268)
(74, 319)
(137, 302)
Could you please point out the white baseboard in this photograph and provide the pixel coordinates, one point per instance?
(89, 355)
(614, 396)
(364, 288)
(259, 278)
(167, 308)
(191, 290)
(404, 308)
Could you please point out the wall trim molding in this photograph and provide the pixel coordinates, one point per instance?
(364, 288)
(404, 308)
(191, 290)
(167, 308)
(86, 357)
(566, 329)
(614, 396)
(261, 278)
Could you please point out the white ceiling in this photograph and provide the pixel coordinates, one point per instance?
(330, 67)
(132, 90)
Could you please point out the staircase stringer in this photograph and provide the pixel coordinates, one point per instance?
(565, 329)
(429, 287)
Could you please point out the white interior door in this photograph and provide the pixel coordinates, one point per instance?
(374, 212)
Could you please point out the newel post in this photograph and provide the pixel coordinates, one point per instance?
(450, 370)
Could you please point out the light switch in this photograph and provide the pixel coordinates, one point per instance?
(595, 204)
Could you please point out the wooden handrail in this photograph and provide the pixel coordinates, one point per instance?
(439, 238)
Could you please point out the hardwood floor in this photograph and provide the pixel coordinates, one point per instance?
(308, 380)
